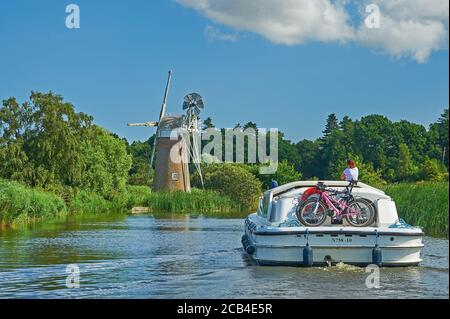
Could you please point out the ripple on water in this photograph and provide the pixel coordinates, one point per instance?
(185, 257)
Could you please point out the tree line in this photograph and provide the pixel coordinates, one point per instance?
(385, 151)
(45, 143)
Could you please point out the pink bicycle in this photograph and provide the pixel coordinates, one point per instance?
(313, 212)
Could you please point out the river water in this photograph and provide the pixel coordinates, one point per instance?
(186, 257)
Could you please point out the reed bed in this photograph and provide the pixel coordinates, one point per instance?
(198, 201)
(91, 203)
(20, 204)
(424, 204)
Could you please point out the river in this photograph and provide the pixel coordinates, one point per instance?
(185, 257)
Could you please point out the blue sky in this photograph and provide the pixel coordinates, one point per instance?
(115, 66)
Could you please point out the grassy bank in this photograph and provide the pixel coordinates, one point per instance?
(20, 204)
(198, 201)
(423, 204)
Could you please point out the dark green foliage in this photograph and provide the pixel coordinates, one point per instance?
(384, 151)
(140, 172)
(285, 173)
(45, 143)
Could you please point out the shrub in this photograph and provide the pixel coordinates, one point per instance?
(233, 181)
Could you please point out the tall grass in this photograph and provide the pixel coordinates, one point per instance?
(20, 204)
(137, 195)
(198, 201)
(91, 203)
(424, 204)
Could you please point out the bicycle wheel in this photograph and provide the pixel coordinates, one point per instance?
(364, 213)
(312, 213)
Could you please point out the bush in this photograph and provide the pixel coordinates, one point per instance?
(434, 170)
(233, 181)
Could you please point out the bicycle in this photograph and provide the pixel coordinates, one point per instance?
(358, 212)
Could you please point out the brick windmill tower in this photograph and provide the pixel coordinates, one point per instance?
(176, 142)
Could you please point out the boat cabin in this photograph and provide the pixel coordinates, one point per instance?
(277, 206)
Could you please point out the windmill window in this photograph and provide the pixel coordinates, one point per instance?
(175, 177)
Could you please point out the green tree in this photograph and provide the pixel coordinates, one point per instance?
(309, 154)
(234, 181)
(106, 163)
(438, 139)
(405, 170)
(207, 123)
(140, 169)
(331, 125)
(45, 143)
(434, 170)
(285, 173)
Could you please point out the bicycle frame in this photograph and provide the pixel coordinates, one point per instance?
(331, 205)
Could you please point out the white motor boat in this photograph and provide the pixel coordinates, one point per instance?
(274, 235)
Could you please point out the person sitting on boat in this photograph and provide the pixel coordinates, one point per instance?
(273, 184)
(351, 173)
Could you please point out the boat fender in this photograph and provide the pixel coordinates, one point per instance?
(377, 255)
(307, 253)
(250, 249)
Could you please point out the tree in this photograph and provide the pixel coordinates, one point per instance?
(140, 169)
(106, 163)
(434, 170)
(45, 143)
(414, 136)
(250, 125)
(287, 151)
(285, 173)
(309, 153)
(332, 125)
(233, 181)
(207, 123)
(438, 139)
(405, 167)
(375, 140)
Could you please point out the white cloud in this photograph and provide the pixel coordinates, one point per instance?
(214, 34)
(413, 28)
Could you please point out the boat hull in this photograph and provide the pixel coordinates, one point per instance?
(330, 245)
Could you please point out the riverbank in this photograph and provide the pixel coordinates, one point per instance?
(24, 205)
(424, 204)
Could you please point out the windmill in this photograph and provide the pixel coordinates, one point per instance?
(177, 140)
